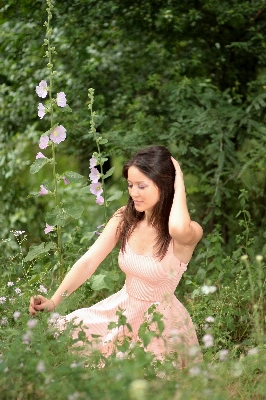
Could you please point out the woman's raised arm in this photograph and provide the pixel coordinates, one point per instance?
(83, 268)
(181, 228)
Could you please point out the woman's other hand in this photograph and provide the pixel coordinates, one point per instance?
(40, 303)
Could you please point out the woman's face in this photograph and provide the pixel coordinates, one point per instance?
(142, 190)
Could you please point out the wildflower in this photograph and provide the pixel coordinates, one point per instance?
(244, 257)
(194, 371)
(207, 340)
(18, 290)
(93, 162)
(208, 289)
(100, 200)
(12, 300)
(41, 111)
(40, 155)
(44, 140)
(42, 289)
(18, 233)
(61, 99)
(26, 338)
(96, 188)
(42, 89)
(94, 175)
(58, 135)
(223, 355)
(32, 323)
(10, 283)
(43, 191)
(209, 319)
(16, 315)
(4, 321)
(253, 351)
(66, 182)
(40, 366)
(2, 300)
(48, 228)
(259, 258)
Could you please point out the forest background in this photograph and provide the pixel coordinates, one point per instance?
(187, 75)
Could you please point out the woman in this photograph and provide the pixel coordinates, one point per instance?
(157, 242)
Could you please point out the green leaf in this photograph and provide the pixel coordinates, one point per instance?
(98, 282)
(57, 216)
(73, 176)
(34, 250)
(109, 173)
(73, 210)
(84, 190)
(37, 165)
(65, 109)
(115, 196)
(103, 141)
(47, 133)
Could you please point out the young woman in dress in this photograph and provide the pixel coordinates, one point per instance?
(157, 241)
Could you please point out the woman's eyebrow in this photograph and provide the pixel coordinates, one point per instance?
(137, 181)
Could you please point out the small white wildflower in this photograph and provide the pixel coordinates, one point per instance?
(209, 319)
(253, 351)
(207, 340)
(2, 300)
(6, 370)
(16, 315)
(73, 396)
(193, 351)
(26, 338)
(17, 233)
(32, 323)
(208, 289)
(259, 258)
(244, 257)
(4, 321)
(40, 366)
(18, 290)
(10, 283)
(194, 371)
(12, 300)
(42, 289)
(223, 355)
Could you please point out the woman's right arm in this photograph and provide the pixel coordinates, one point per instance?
(83, 268)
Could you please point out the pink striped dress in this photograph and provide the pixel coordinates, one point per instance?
(148, 282)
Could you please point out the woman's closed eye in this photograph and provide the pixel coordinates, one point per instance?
(139, 186)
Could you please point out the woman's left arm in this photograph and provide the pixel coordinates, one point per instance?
(181, 228)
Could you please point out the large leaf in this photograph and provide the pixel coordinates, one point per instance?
(57, 216)
(109, 172)
(35, 251)
(115, 196)
(37, 165)
(73, 176)
(98, 282)
(73, 210)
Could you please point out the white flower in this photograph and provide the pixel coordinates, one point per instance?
(209, 319)
(16, 315)
(32, 323)
(253, 351)
(18, 290)
(2, 300)
(194, 371)
(26, 338)
(207, 340)
(10, 283)
(42, 289)
(259, 258)
(40, 366)
(208, 289)
(223, 355)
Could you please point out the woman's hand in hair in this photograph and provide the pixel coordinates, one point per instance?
(179, 180)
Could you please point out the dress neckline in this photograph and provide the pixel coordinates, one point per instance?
(145, 255)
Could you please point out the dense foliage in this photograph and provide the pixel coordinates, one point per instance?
(188, 75)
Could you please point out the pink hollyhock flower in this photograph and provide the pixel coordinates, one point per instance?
(42, 89)
(61, 99)
(43, 191)
(40, 155)
(44, 140)
(58, 135)
(100, 200)
(48, 228)
(94, 175)
(93, 162)
(66, 182)
(96, 188)
(41, 110)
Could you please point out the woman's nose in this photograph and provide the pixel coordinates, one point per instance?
(134, 191)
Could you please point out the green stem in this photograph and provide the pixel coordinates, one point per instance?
(56, 194)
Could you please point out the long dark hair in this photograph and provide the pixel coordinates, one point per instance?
(155, 162)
